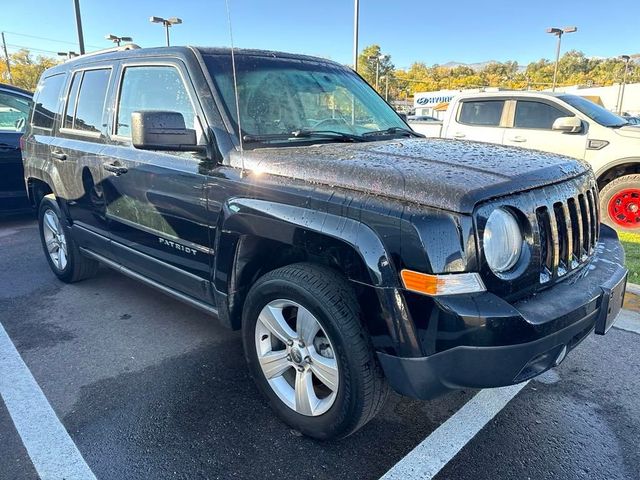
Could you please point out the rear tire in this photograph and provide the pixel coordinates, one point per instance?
(322, 294)
(60, 249)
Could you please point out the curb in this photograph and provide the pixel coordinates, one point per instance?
(633, 288)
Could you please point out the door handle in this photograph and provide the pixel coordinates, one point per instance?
(459, 135)
(115, 167)
(58, 155)
(518, 139)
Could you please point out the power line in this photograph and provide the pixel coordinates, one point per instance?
(48, 39)
(13, 45)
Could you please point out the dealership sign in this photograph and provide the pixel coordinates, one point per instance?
(431, 99)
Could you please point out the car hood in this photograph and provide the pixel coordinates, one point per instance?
(449, 174)
(630, 131)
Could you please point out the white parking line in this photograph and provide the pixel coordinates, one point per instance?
(629, 321)
(435, 451)
(53, 453)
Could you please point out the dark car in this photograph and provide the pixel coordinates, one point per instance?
(632, 120)
(286, 198)
(15, 106)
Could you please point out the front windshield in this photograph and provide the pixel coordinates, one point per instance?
(594, 111)
(278, 96)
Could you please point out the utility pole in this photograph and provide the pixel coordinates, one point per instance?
(356, 19)
(76, 4)
(6, 58)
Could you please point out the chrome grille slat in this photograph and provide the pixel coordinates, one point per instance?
(568, 231)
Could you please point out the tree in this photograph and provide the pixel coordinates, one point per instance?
(25, 69)
(367, 61)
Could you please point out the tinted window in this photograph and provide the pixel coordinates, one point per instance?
(47, 96)
(483, 112)
(93, 91)
(593, 111)
(536, 115)
(152, 88)
(14, 110)
(72, 98)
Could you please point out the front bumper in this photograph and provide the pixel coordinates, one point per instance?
(511, 343)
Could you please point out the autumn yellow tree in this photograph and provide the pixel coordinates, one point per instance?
(25, 69)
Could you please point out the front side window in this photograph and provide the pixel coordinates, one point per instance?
(278, 96)
(538, 115)
(595, 112)
(14, 111)
(46, 97)
(91, 98)
(152, 88)
(485, 113)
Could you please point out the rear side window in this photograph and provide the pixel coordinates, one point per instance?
(152, 88)
(47, 96)
(90, 102)
(72, 99)
(536, 115)
(483, 112)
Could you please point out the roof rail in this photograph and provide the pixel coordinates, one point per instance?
(122, 48)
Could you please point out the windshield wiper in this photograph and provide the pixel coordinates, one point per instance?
(393, 131)
(302, 133)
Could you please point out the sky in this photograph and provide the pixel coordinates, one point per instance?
(409, 30)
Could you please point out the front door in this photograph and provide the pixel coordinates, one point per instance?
(155, 201)
(532, 128)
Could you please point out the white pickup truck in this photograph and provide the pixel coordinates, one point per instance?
(557, 123)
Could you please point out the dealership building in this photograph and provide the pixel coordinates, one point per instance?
(434, 104)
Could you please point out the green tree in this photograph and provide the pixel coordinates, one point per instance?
(25, 69)
(367, 61)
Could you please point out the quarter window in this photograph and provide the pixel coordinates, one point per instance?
(90, 103)
(536, 115)
(485, 112)
(47, 96)
(152, 88)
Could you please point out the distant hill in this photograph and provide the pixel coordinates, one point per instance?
(478, 65)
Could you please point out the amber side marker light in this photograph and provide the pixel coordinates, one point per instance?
(450, 284)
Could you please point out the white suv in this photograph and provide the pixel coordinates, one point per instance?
(565, 124)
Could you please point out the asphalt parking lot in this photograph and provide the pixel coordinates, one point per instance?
(147, 387)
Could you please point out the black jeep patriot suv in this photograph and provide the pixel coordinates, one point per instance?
(286, 198)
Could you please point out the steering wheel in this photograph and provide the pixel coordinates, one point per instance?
(20, 123)
(327, 123)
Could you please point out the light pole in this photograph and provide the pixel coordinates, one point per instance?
(67, 55)
(377, 59)
(386, 87)
(558, 32)
(76, 6)
(167, 22)
(626, 59)
(115, 39)
(356, 20)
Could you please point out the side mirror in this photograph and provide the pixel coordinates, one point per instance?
(567, 125)
(158, 130)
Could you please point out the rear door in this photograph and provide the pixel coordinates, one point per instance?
(155, 201)
(532, 128)
(76, 153)
(478, 119)
(14, 113)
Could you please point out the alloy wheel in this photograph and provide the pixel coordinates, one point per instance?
(55, 240)
(297, 357)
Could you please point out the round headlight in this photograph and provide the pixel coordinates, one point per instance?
(502, 240)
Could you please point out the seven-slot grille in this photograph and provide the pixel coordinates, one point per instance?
(569, 232)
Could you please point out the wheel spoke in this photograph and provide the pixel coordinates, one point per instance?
(306, 325)
(62, 258)
(52, 245)
(325, 369)
(275, 363)
(271, 317)
(306, 400)
(50, 223)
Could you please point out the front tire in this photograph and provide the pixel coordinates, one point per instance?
(308, 352)
(620, 203)
(60, 249)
